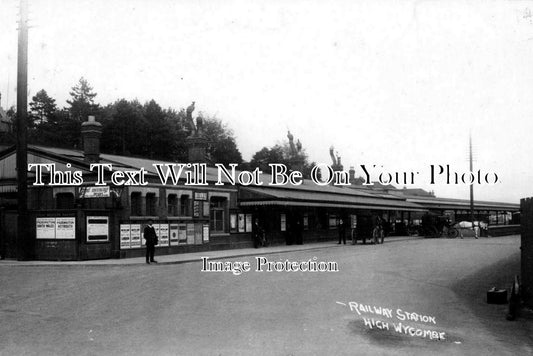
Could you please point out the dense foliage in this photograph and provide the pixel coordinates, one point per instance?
(129, 127)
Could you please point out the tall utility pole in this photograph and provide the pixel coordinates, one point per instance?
(471, 185)
(23, 240)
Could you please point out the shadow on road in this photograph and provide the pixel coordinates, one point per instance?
(472, 290)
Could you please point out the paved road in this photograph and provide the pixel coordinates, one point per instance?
(178, 310)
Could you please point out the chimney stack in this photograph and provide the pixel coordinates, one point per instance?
(91, 131)
(351, 172)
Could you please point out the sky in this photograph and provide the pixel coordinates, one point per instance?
(396, 84)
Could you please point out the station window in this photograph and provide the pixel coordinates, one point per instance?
(151, 204)
(136, 204)
(172, 205)
(64, 201)
(218, 212)
(185, 205)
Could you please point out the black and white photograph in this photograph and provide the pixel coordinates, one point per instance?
(200, 177)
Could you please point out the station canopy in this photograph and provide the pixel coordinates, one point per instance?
(323, 196)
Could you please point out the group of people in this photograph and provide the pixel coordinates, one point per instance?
(260, 239)
(378, 234)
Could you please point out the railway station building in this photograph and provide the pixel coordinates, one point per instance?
(89, 221)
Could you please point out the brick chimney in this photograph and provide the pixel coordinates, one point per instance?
(351, 172)
(90, 132)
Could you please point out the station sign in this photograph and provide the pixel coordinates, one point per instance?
(94, 192)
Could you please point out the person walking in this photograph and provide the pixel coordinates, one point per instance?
(342, 231)
(151, 240)
(377, 230)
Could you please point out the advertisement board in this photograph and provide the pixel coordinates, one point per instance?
(190, 233)
(198, 233)
(66, 228)
(182, 234)
(135, 234)
(125, 236)
(163, 235)
(46, 228)
(97, 228)
(205, 232)
(173, 234)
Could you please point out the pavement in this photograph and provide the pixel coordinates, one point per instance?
(196, 256)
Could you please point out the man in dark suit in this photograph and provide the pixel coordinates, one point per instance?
(151, 241)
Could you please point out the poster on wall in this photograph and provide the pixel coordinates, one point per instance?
(143, 241)
(196, 208)
(241, 222)
(233, 223)
(353, 221)
(190, 234)
(332, 221)
(248, 222)
(46, 228)
(125, 236)
(205, 232)
(173, 233)
(182, 234)
(66, 228)
(206, 209)
(163, 235)
(135, 233)
(198, 234)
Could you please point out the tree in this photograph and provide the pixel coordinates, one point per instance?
(223, 148)
(8, 127)
(124, 128)
(294, 157)
(262, 158)
(42, 107)
(160, 142)
(82, 103)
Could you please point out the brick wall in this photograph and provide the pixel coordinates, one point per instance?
(526, 208)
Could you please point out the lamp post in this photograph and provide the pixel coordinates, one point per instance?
(471, 185)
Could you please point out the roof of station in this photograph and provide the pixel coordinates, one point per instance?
(306, 194)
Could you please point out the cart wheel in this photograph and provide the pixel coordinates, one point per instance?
(453, 233)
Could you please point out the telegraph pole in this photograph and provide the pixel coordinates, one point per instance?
(23, 240)
(471, 185)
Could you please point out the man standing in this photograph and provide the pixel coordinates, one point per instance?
(256, 231)
(151, 241)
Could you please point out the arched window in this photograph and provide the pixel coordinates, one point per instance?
(185, 204)
(172, 205)
(136, 204)
(64, 201)
(151, 204)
